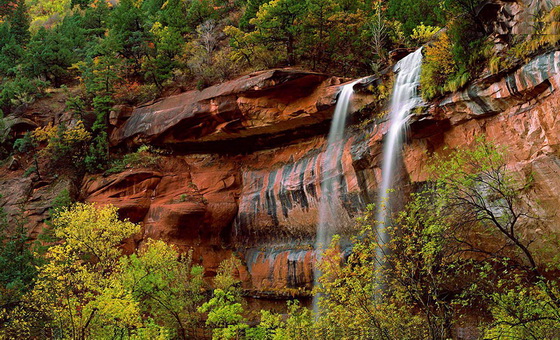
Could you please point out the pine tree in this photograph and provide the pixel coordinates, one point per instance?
(50, 55)
(19, 23)
(279, 22)
(250, 12)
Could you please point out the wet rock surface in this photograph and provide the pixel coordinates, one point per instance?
(261, 201)
(245, 164)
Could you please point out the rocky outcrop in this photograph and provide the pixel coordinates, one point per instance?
(504, 20)
(190, 201)
(27, 201)
(263, 103)
(244, 163)
(520, 89)
(258, 196)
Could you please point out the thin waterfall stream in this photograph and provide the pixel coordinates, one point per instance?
(329, 204)
(405, 98)
(331, 176)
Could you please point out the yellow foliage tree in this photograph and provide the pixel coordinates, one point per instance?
(93, 231)
(88, 289)
(63, 145)
(438, 66)
(76, 294)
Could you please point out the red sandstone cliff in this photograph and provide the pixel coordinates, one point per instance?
(251, 184)
(244, 166)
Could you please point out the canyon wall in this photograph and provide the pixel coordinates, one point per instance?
(242, 162)
(251, 185)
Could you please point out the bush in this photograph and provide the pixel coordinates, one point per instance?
(25, 144)
(97, 156)
(61, 143)
(134, 93)
(145, 157)
(421, 34)
(19, 91)
(438, 66)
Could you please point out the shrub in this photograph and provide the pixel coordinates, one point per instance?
(134, 93)
(145, 157)
(421, 34)
(97, 156)
(19, 91)
(438, 66)
(24, 144)
(61, 142)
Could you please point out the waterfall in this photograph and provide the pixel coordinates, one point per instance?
(330, 205)
(405, 98)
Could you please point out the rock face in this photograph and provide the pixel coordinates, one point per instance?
(259, 197)
(235, 179)
(263, 103)
(244, 163)
(27, 201)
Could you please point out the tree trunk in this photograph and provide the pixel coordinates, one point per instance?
(290, 51)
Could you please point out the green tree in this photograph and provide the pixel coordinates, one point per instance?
(225, 309)
(19, 23)
(174, 15)
(250, 12)
(12, 52)
(51, 55)
(297, 325)
(96, 19)
(167, 286)
(17, 262)
(467, 9)
(224, 315)
(412, 13)
(128, 35)
(318, 22)
(99, 76)
(199, 12)
(158, 65)
(279, 22)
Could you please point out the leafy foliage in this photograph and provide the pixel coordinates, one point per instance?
(20, 91)
(145, 156)
(437, 67)
(422, 33)
(17, 262)
(88, 289)
(416, 13)
(224, 315)
(65, 147)
(168, 286)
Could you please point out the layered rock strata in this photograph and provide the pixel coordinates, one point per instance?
(260, 200)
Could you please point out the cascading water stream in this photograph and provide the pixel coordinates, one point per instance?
(330, 206)
(405, 98)
(331, 176)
